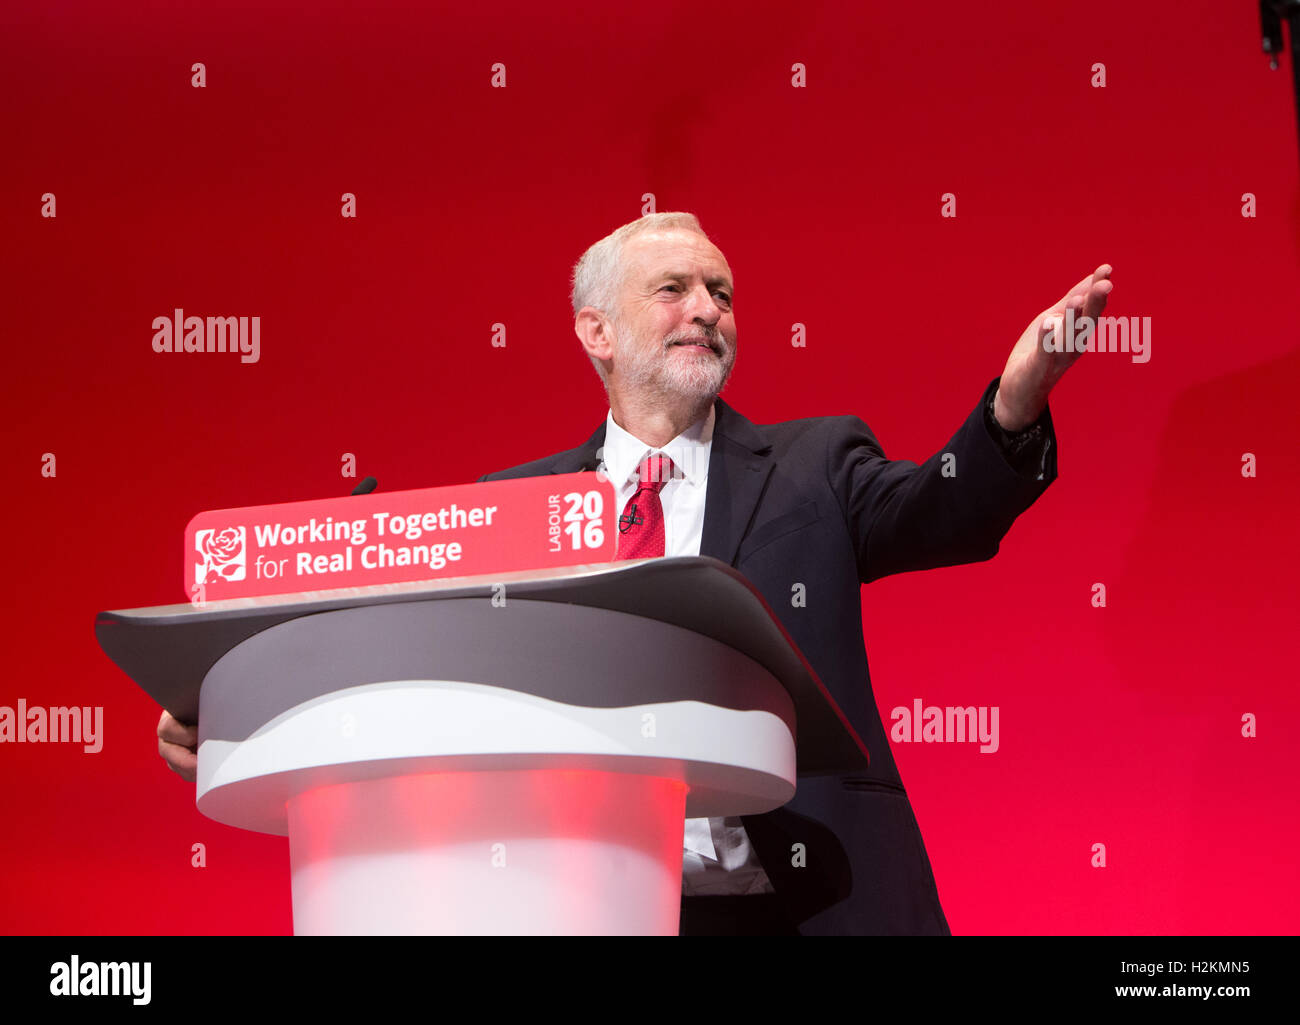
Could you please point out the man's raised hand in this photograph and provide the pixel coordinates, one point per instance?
(1031, 373)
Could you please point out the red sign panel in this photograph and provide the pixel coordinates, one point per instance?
(382, 538)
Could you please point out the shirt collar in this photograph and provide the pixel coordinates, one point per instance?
(689, 451)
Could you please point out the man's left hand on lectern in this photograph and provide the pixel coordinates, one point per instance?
(178, 745)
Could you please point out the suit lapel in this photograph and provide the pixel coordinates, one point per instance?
(740, 462)
(585, 457)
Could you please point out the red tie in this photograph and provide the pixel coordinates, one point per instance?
(641, 527)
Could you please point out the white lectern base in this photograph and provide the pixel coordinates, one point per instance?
(555, 852)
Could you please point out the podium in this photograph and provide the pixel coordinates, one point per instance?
(507, 755)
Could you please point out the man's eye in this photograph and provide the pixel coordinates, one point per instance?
(673, 288)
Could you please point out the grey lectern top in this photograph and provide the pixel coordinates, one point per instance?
(168, 650)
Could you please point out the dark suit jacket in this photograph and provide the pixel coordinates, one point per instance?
(816, 502)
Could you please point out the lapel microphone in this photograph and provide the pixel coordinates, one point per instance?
(629, 519)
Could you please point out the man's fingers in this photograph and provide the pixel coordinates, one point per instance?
(177, 745)
(181, 760)
(1078, 288)
(1096, 301)
(1098, 288)
(1085, 287)
(1098, 279)
(173, 731)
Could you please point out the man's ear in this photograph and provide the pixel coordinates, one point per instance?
(595, 332)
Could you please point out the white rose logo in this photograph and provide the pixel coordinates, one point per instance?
(222, 552)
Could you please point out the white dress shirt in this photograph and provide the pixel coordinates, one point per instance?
(717, 858)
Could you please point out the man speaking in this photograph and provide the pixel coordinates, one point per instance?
(808, 502)
(812, 502)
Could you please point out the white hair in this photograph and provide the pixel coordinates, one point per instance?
(598, 274)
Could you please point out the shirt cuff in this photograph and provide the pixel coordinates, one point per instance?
(1026, 450)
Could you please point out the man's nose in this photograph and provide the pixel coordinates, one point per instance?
(700, 306)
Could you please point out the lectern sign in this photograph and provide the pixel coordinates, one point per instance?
(394, 537)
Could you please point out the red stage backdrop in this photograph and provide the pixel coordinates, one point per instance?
(486, 145)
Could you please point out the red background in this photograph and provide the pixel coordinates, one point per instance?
(1118, 725)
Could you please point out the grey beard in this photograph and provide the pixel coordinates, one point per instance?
(695, 381)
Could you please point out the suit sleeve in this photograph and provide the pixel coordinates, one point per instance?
(954, 508)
